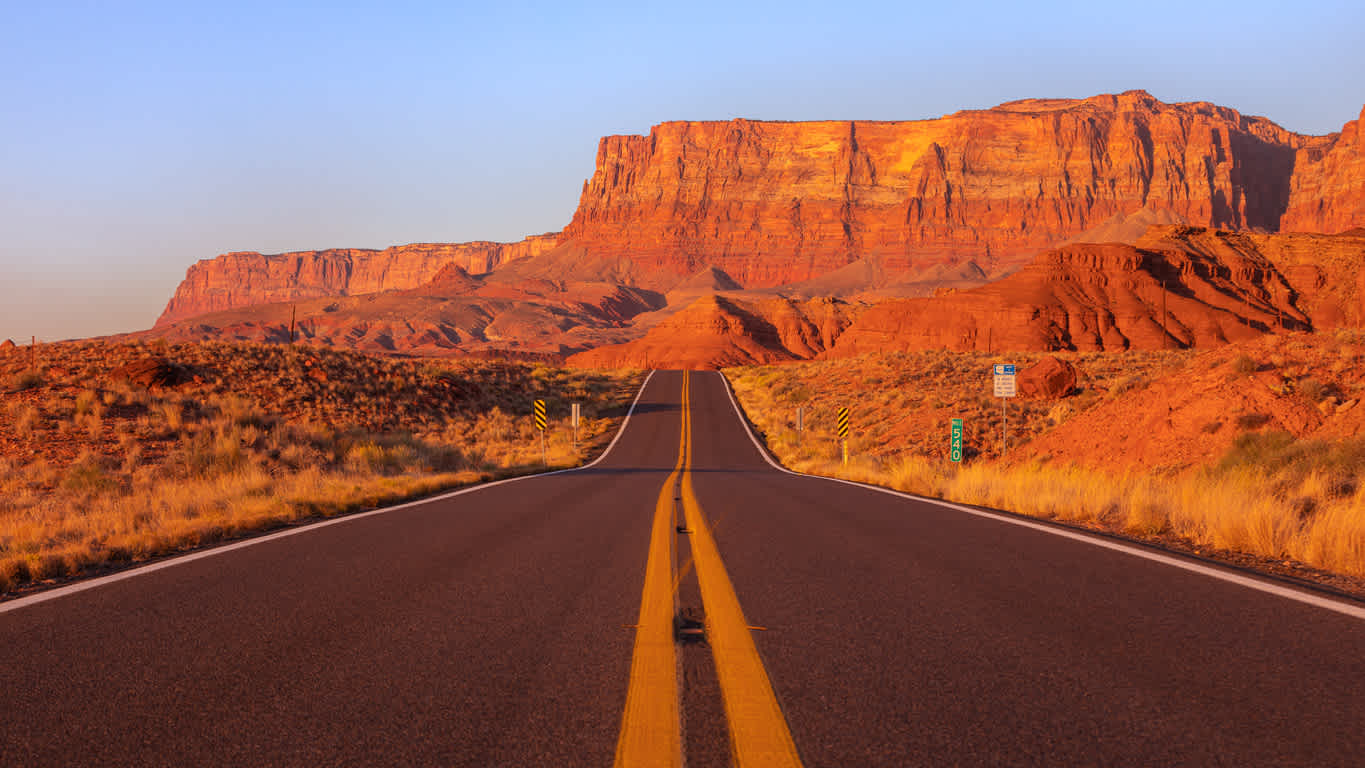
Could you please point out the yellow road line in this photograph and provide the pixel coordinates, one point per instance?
(759, 735)
(651, 728)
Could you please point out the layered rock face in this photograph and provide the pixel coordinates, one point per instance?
(1323, 272)
(1181, 287)
(1328, 189)
(245, 278)
(774, 203)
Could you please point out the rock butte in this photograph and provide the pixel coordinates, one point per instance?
(866, 208)
(774, 203)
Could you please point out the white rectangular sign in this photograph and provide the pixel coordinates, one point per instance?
(1004, 380)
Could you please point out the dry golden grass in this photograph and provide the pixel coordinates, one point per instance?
(903, 401)
(1271, 495)
(96, 470)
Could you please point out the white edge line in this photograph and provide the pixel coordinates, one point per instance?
(53, 594)
(1354, 611)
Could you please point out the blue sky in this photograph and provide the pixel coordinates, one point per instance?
(137, 138)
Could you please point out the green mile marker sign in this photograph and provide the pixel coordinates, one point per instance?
(955, 448)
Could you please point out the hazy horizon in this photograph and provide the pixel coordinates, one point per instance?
(142, 139)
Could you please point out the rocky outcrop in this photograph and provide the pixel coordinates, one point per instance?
(715, 331)
(1048, 379)
(242, 279)
(152, 372)
(773, 203)
(1328, 188)
(1178, 287)
(1323, 272)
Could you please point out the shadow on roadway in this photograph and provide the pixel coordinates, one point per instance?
(621, 410)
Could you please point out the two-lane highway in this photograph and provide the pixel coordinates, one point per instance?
(907, 633)
(491, 628)
(512, 624)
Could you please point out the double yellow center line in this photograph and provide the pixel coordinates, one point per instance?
(651, 728)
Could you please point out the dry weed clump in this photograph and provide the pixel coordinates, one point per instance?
(98, 469)
(1272, 495)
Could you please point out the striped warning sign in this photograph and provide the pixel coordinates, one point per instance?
(843, 422)
(540, 415)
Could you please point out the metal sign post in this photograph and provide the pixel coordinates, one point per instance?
(1004, 389)
(575, 417)
(800, 422)
(955, 441)
(843, 432)
(540, 425)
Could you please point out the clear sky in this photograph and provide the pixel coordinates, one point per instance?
(137, 138)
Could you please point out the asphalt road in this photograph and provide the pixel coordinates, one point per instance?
(497, 628)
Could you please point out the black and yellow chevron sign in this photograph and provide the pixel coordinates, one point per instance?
(843, 422)
(540, 415)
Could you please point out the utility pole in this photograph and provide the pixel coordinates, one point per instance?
(1164, 333)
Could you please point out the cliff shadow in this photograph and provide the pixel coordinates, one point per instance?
(1265, 177)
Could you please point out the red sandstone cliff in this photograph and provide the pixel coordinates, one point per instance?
(893, 206)
(245, 278)
(773, 203)
(1328, 189)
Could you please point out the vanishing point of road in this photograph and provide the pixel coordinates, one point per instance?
(681, 601)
